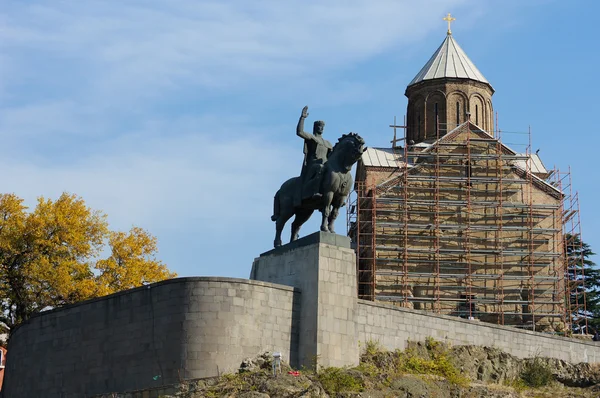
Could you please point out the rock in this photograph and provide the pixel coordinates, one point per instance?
(484, 391)
(486, 364)
(572, 375)
(413, 387)
(286, 385)
(262, 361)
(488, 368)
(253, 394)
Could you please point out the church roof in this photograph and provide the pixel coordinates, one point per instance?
(449, 60)
(536, 165)
(383, 157)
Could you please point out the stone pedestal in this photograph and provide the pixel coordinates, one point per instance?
(323, 267)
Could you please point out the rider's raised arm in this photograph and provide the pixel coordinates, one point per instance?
(300, 129)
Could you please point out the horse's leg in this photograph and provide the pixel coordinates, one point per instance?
(327, 198)
(295, 229)
(276, 206)
(286, 212)
(283, 207)
(279, 224)
(337, 203)
(275, 217)
(278, 228)
(302, 215)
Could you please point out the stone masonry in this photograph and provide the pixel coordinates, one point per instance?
(189, 328)
(323, 267)
(393, 327)
(184, 328)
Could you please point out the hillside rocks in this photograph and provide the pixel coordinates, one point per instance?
(491, 365)
(425, 369)
(486, 364)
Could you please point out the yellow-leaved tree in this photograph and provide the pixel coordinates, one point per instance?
(131, 262)
(51, 256)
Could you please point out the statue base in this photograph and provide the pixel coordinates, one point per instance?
(323, 266)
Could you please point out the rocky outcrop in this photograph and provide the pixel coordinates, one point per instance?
(491, 373)
(490, 365)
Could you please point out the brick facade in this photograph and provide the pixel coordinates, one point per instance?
(452, 98)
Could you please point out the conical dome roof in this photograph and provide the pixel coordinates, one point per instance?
(449, 60)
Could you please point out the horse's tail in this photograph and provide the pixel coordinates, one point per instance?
(276, 207)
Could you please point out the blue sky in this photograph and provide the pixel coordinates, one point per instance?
(179, 116)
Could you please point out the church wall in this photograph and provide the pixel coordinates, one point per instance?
(457, 109)
(490, 121)
(478, 110)
(447, 90)
(513, 278)
(377, 175)
(415, 117)
(435, 120)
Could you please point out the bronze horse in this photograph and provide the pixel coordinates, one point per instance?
(336, 183)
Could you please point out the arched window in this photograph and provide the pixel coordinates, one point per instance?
(457, 113)
(436, 121)
(477, 115)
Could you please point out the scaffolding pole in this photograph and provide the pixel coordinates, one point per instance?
(459, 230)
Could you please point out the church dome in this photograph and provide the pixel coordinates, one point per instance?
(448, 91)
(449, 61)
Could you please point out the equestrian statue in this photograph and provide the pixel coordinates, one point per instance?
(324, 182)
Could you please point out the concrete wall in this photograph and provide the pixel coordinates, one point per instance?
(323, 267)
(191, 328)
(394, 326)
(150, 336)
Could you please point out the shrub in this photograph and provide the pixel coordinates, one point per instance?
(438, 363)
(517, 384)
(372, 348)
(335, 380)
(536, 373)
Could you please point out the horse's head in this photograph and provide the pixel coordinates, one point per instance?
(348, 149)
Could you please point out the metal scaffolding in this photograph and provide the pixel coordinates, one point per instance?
(574, 271)
(465, 227)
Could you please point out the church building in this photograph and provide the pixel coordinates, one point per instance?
(453, 220)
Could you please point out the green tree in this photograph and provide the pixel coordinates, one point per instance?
(50, 256)
(583, 284)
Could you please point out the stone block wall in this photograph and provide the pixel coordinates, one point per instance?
(189, 328)
(323, 267)
(151, 336)
(393, 326)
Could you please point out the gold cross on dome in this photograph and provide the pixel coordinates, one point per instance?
(449, 18)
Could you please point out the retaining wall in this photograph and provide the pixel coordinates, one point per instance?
(190, 328)
(393, 326)
(150, 336)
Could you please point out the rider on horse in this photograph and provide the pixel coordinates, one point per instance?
(323, 185)
(316, 152)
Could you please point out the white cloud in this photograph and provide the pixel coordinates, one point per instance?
(153, 46)
(166, 180)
